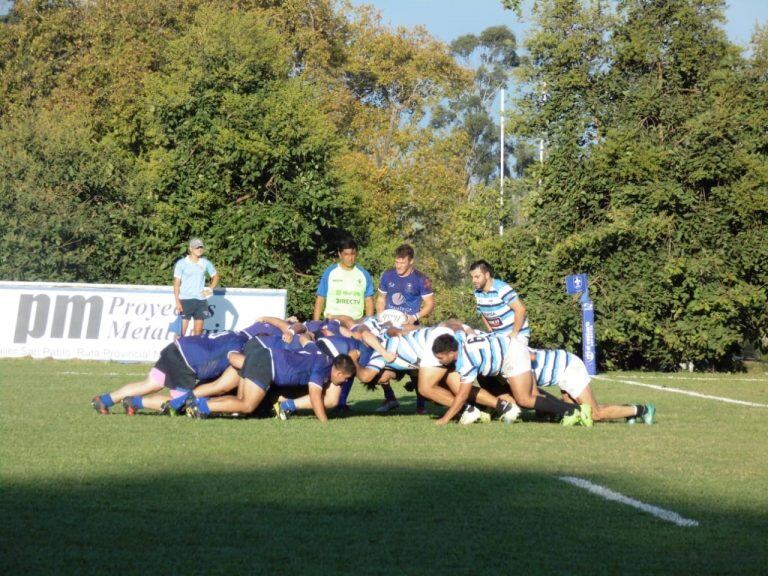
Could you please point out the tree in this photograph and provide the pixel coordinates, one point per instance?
(644, 179)
(471, 111)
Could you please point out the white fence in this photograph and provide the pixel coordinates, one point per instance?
(112, 322)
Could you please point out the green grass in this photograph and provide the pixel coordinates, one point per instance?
(83, 493)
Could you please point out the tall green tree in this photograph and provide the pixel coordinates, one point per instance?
(494, 54)
(644, 183)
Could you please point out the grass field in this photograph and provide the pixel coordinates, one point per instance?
(365, 494)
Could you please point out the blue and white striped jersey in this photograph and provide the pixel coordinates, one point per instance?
(413, 349)
(494, 306)
(480, 355)
(548, 366)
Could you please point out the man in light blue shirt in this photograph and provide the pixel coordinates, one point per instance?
(189, 286)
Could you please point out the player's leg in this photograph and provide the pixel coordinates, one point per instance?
(228, 381)
(390, 399)
(526, 395)
(429, 385)
(610, 411)
(154, 402)
(251, 395)
(197, 329)
(330, 399)
(421, 402)
(255, 379)
(154, 382)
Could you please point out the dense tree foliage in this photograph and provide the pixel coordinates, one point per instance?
(272, 127)
(654, 182)
(129, 127)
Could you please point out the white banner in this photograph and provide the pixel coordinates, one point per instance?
(112, 322)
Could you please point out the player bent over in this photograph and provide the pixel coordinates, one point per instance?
(489, 356)
(568, 372)
(414, 353)
(263, 368)
(182, 364)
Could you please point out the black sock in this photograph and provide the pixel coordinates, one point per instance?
(500, 406)
(640, 411)
(552, 405)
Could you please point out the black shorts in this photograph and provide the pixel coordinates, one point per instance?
(177, 373)
(257, 366)
(496, 385)
(194, 308)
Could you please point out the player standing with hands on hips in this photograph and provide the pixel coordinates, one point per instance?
(189, 286)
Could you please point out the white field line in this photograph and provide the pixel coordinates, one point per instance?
(608, 494)
(700, 379)
(686, 392)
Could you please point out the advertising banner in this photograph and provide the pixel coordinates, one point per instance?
(113, 322)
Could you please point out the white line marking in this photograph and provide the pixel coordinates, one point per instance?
(700, 379)
(608, 494)
(686, 392)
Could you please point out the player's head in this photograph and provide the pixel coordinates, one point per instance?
(403, 259)
(196, 246)
(342, 369)
(347, 252)
(481, 274)
(446, 349)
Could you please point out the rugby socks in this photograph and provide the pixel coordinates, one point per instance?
(501, 405)
(389, 394)
(202, 404)
(106, 399)
(178, 402)
(421, 402)
(288, 405)
(639, 410)
(345, 388)
(137, 402)
(551, 405)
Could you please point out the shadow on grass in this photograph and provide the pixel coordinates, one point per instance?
(356, 520)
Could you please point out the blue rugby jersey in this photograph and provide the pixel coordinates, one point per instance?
(290, 368)
(208, 354)
(332, 326)
(262, 329)
(277, 343)
(404, 293)
(548, 366)
(336, 345)
(494, 306)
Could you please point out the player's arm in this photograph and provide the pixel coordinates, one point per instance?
(459, 399)
(488, 326)
(427, 305)
(519, 309)
(316, 399)
(214, 281)
(176, 293)
(346, 321)
(317, 313)
(381, 301)
(371, 340)
(369, 306)
(281, 324)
